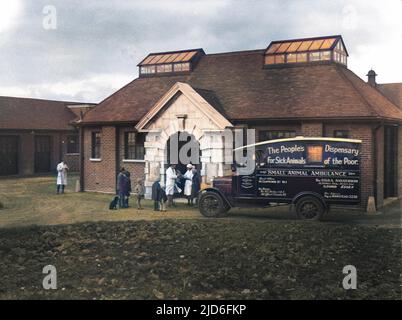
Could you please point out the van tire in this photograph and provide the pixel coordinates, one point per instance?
(211, 205)
(309, 208)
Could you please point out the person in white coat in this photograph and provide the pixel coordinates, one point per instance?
(171, 176)
(61, 176)
(188, 183)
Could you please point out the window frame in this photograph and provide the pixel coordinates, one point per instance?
(96, 144)
(342, 136)
(291, 132)
(132, 155)
(77, 144)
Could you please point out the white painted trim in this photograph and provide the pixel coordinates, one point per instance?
(95, 160)
(133, 161)
(73, 154)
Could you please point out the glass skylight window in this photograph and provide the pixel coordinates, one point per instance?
(306, 50)
(170, 62)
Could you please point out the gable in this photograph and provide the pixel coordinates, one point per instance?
(182, 102)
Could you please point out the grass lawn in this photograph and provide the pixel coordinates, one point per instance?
(180, 255)
(33, 201)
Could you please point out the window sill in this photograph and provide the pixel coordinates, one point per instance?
(133, 161)
(73, 154)
(95, 160)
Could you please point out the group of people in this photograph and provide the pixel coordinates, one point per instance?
(192, 185)
(190, 182)
(124, 189)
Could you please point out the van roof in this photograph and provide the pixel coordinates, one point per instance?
(299, 138)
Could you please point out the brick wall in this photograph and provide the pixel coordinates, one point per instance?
(367, 165)
(312, 129)
(100, 174)
(400, 162)
(362, 132)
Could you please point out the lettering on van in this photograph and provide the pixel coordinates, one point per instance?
(342, 150)
(286, 160)
(285, 149)
(307, 173)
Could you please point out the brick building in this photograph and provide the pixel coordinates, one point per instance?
(35, 134)
(294, 87)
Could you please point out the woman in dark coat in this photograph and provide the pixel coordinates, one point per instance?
(122, 187)
(195, 187)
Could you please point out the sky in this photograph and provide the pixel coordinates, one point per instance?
(85, 50)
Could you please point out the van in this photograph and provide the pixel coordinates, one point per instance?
(309, 173)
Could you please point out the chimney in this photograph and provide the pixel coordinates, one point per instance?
(371, 78)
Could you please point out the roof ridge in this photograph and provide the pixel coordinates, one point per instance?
(42, 99)
(235, 52)
(343, 75)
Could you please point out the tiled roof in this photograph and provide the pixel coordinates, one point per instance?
(35, 114)
(392, 91)
(245, 90)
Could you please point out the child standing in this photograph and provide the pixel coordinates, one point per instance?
(139, 192)
(158, 196)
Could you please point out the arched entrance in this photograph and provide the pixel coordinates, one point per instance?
(181, 149)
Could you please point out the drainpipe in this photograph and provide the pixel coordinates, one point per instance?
(82, 157)
(374, 156)
(117, 154)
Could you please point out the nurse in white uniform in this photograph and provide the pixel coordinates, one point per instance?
(61, 177)
(189, 182)
(171, 176)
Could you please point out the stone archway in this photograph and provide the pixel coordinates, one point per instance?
(182, 109)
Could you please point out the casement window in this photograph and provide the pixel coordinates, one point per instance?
(134, 146)
(96, 145)
(73, 145)
(341, 134)
(264, 135)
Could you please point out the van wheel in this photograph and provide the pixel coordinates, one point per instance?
(211, 205)
(309, 208)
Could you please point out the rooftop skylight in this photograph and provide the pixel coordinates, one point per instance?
(306, 50)
(170, 62)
